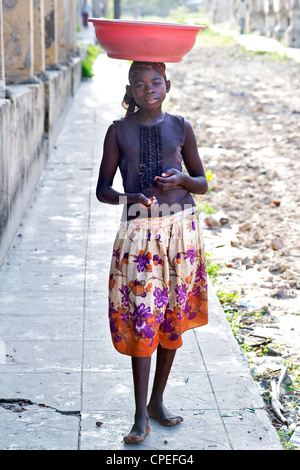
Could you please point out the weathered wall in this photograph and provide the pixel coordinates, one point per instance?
(30, 119)
(23, 152)
(40, 71)
(60, 85)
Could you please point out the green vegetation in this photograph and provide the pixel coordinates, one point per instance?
(209, 38)
(272, 56)
(205, 207)
(212, 268)
(88, 61)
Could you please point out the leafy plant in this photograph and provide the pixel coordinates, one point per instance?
(212, 267)
(205, 207)
(209, 175)
(88, 61)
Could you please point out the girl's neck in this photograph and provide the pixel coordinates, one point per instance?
(149, 119)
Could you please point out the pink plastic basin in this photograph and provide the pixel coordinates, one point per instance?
(145, 41)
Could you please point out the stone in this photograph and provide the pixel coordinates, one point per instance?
(235, 242)
(273, 267)
(222, 217)
(212, 221)
(276, 244)
(246, 227)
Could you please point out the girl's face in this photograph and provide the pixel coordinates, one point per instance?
(148, 88)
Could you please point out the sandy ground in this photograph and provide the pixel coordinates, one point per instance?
(245, 110)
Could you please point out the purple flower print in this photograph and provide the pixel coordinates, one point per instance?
(159, 318)
(125, 295)
(161, 297)
(193, 225)
(142, 262)
(178, 315)
(173, 337)
(138, 317)
(168, 328)
(141, 327)
(116, 253)
(191, 315)
(196, 291)
(156, 260)
(149, 332)
(190, 254)
(140, 312)
(187, 308)
(113, 327)
(201, 273)
(124, 317)
(111, 307)
(181, 294)
(117, 338)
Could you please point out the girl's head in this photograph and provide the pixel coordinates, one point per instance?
(148, 85)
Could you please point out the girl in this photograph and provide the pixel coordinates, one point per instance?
(157, 284)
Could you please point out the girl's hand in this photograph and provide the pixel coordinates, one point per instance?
(140, 198)
(169, 180)
(142, 205)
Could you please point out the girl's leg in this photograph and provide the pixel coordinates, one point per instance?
(140, 429)
(156, 408)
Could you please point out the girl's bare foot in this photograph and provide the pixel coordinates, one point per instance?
(138, 433)
(163, 416)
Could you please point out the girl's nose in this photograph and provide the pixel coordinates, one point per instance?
(149, 89)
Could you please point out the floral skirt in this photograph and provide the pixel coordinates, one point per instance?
(158, 282)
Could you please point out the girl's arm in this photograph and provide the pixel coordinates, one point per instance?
(195, 181)
(108, 168)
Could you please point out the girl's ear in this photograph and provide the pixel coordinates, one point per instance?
(128, 91)
(168, 86)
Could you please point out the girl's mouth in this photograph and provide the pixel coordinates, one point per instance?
(151, 100)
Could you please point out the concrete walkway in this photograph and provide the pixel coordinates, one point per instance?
(256, 42)
(59, 373)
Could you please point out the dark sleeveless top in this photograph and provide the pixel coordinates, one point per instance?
(148, 151)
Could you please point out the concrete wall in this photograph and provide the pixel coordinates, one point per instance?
(40, 71)
(23, 152)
